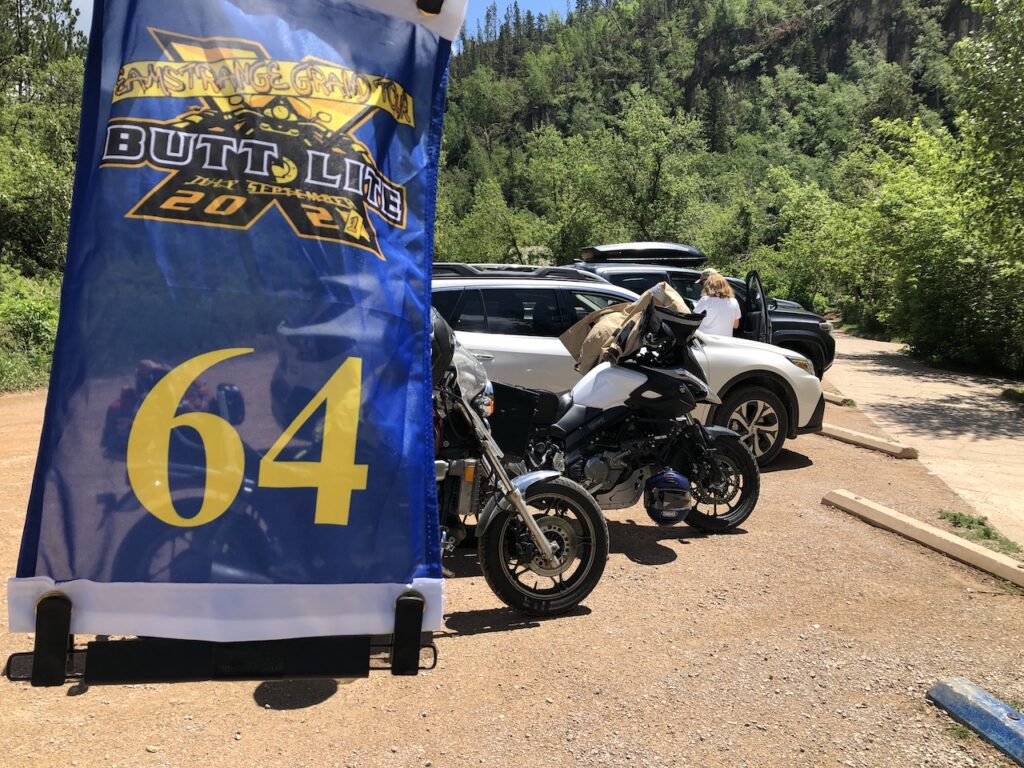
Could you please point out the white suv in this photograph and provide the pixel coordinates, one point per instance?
(511, 318)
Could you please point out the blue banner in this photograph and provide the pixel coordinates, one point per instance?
(237, 442)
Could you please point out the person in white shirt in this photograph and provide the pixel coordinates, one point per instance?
(719, 302)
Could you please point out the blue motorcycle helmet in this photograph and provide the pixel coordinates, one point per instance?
(668, 498)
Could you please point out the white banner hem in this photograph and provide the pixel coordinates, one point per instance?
(224, 612)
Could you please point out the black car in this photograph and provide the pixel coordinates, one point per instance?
(638, 266)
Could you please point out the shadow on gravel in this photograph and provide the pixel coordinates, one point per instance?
(641, 542)
(294, 694)
(888, 363)
(954, 416)
(787, 460)
(497, 620)
(461, 563)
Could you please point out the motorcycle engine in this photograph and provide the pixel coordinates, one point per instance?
(603, 470)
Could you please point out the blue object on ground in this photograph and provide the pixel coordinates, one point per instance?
(996, 722)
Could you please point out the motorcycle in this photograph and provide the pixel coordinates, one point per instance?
(626, 430)
(542, 540)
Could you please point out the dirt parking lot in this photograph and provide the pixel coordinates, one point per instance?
(806, 639)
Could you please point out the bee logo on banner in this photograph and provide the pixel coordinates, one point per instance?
(265, 134)
(237, 442)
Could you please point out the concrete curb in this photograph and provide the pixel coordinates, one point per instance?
(994, 721)
(832, 397)
(898, 450)
(935, 538)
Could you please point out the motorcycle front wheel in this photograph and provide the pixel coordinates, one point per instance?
(724, 505)
(514, 569)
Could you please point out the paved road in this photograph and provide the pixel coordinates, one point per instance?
(965, 433)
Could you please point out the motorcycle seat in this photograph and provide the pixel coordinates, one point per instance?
(551, 407)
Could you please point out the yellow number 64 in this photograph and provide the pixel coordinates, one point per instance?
(335, 476)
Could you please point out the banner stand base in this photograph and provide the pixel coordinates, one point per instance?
(54, 641)
(55, 660)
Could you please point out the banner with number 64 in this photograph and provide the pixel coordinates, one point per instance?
(237, 442)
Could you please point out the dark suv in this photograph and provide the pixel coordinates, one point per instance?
(638, 266)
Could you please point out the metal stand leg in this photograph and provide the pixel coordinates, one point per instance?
(53, 636)
(405, 643)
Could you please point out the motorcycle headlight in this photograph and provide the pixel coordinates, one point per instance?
(802, 362)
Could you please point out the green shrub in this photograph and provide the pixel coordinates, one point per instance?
(28, 326)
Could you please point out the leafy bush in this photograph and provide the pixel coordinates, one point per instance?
(28, 325)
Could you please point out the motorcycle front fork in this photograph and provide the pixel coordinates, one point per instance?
(508, 490)
(701, 450)
(515, 496)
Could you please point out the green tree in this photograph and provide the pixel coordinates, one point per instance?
(990, 65)
(491, 231)
(645, 176)
(41, 73)
(33, 34)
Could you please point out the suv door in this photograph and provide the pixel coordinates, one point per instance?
(757, 324)
(521, 343)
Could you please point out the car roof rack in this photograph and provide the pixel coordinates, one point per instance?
(456, 269)
(668, 254)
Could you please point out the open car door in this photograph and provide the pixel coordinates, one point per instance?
(757, 324)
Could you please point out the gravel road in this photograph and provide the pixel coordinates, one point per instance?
(807, 639)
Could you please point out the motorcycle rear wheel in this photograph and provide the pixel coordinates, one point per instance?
(720, 509)
(572, 520)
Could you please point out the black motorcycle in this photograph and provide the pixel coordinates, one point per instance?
(541, 538)
(626, 430)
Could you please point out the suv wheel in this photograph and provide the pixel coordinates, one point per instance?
(758, 416)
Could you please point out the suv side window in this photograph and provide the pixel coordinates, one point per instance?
(464, 310)
(445, 302)
(740, 289)
(584, 303)
(523, 311)
(687, 287)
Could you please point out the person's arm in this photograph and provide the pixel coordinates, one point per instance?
(736, 314)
